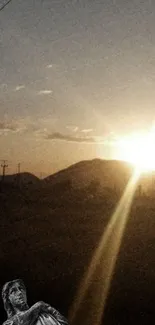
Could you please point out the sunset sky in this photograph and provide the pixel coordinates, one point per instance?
(75, 76)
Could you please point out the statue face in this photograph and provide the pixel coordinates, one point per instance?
(17, 295)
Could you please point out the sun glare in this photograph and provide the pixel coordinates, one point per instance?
(138, 149)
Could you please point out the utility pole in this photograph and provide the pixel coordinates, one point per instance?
(4, 166)
(18, 166)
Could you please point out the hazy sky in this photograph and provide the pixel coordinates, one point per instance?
(74, 76)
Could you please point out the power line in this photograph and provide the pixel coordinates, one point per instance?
(4, 5)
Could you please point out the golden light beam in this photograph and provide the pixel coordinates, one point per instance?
(89, 304)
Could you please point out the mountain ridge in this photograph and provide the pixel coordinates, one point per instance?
(112, 174)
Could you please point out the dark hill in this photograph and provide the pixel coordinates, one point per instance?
(106, 172)
(48, 235)
(22, 178)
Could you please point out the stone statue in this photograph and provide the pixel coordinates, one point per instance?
(19, 313)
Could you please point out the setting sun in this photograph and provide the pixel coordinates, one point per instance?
(138, 149)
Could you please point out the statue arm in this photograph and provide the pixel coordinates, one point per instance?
(11, 321)
(24, 318)
(30, 316)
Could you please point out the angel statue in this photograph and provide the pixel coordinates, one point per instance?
(19, 313)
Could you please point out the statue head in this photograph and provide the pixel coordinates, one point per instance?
(14, 296)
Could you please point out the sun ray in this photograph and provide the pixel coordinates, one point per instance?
(90, 300)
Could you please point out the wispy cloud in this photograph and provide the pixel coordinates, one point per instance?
(13, 127)
(41, 130)
(7, 127)
(3, 87)
(105, 140)
(87, 130)
(20, 125)
(72, 128)
(27, 125)
(49, 66)
(19, 87)
(69, 138)
(45, 92)
(41, 133)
